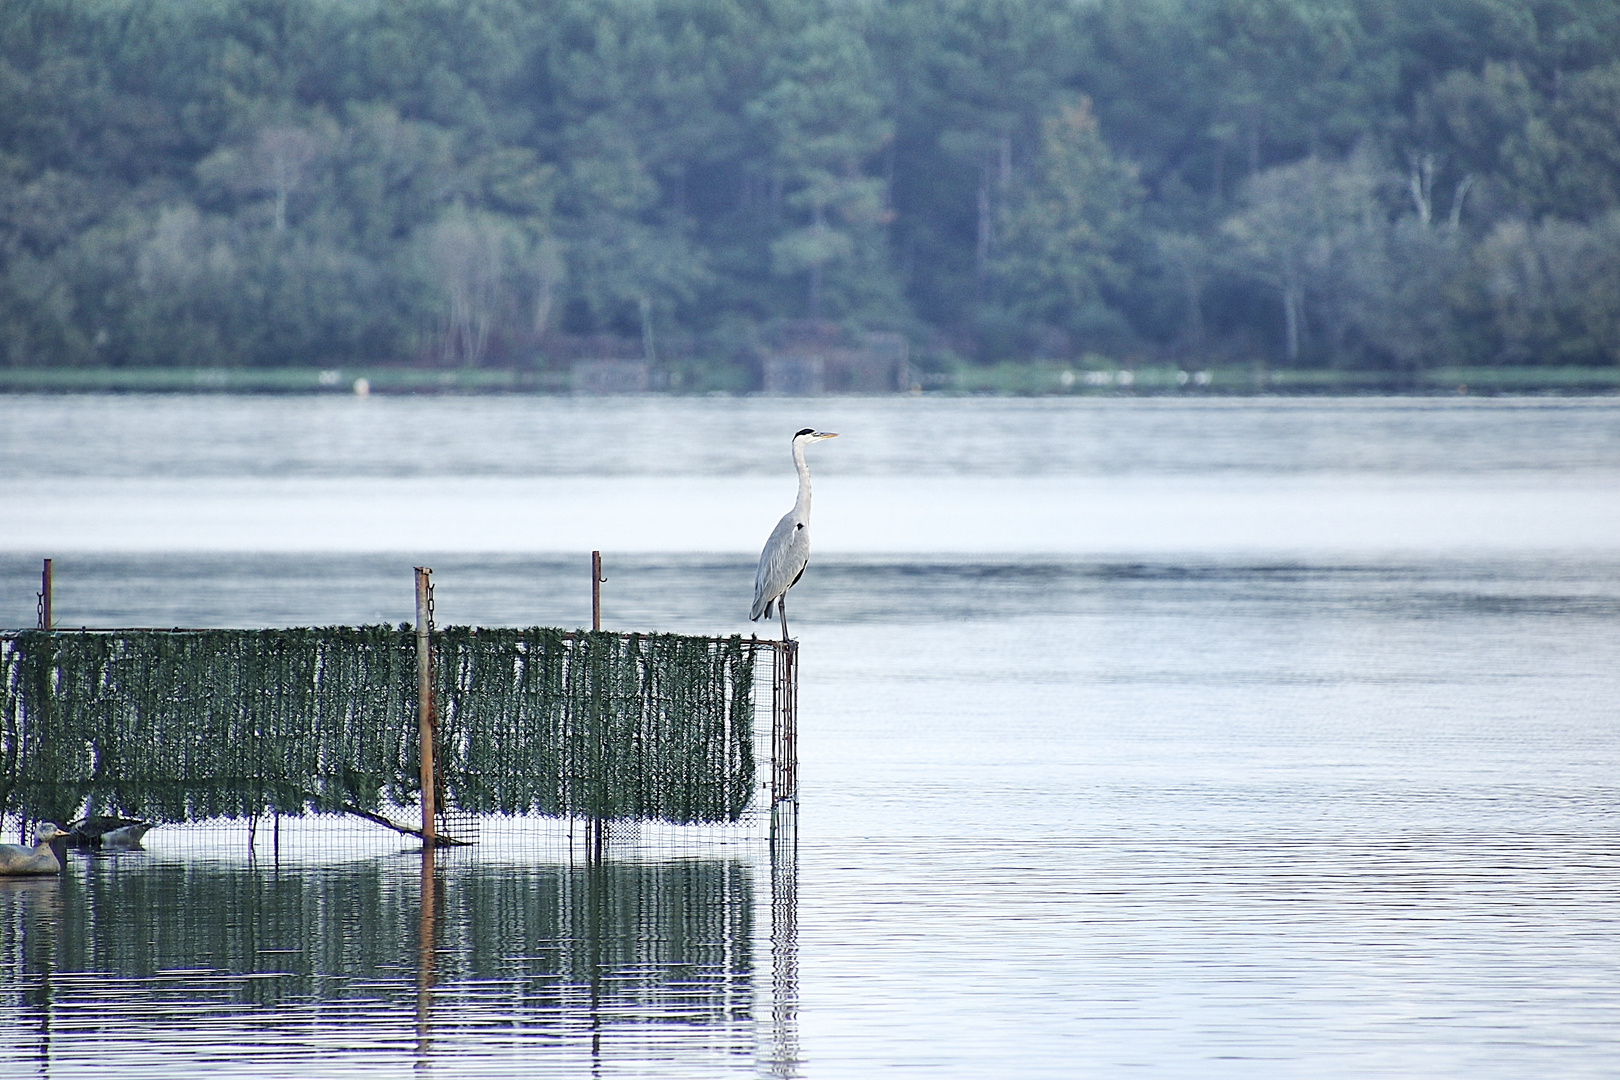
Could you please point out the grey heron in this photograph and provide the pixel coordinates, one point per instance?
(782, 563)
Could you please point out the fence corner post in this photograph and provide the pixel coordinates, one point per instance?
(785, 724)
(785, 748)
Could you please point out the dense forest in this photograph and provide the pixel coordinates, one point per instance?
(1371, 184)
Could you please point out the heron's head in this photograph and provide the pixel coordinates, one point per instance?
(811, 435)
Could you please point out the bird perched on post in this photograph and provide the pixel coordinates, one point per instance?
(16, 859)
(787, 552)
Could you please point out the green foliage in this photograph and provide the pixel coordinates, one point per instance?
(177, 726)
(235, 184)
(1065, 229)
(1547, 292)
(823, 114)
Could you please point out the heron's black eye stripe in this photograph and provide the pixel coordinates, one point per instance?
(804, 431)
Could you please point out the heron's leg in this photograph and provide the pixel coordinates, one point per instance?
(781, 607)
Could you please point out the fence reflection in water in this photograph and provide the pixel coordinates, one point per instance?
(145, 961)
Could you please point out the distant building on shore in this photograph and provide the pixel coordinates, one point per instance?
(806, 358)
(597, 377)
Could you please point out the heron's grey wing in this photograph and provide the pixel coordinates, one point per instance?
(783, 559)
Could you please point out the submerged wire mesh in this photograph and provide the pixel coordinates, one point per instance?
(191, 725)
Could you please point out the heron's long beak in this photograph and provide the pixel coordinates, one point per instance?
(826, 434)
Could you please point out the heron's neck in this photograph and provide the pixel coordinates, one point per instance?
(801, 508)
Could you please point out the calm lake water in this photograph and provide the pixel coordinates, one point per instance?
(1188, 739)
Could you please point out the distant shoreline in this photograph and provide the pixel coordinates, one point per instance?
(1038, 379)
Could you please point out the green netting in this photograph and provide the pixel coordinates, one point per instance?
(655, 727)
(191, 725)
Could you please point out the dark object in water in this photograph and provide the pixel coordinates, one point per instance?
(106, 832)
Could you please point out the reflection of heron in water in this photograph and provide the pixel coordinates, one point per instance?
(16, 859)
(787, 552)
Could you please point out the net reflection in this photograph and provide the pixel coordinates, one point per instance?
(383, 964)
(782, 1058)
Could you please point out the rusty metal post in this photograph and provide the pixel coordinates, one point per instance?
(424, 701)
(596, 590)
(45, 597)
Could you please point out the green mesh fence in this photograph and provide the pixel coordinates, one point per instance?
(192, 725)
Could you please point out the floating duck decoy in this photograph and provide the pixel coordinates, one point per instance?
(106, 832)
(16, 859)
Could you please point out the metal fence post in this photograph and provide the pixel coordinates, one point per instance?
(596, 590)
(424, 701)
(45, 596)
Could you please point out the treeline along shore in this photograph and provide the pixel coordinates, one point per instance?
(986, 194)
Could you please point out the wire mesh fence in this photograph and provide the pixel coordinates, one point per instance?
(275, 742)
